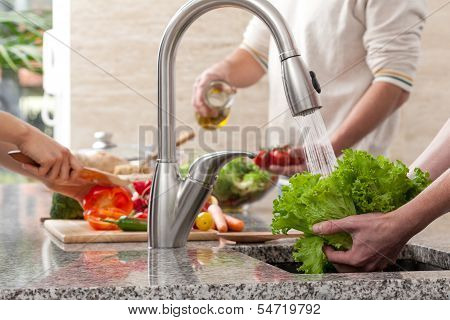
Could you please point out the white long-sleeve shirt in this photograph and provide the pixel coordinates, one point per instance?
(349, 44)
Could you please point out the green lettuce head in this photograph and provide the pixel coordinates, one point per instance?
(360, 184)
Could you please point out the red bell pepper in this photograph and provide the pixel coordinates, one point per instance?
(96, 218)
(106, 203)
(100, 197)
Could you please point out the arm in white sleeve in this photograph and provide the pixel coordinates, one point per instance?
(392, 39)
(256, 41)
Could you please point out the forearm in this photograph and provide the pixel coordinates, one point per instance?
(8, 163)
(436, 157)
(240, 69)
(430, 204)
(12, 130)
(378, 102)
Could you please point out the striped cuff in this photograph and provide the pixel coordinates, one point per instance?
(259, 56)
(397, 78)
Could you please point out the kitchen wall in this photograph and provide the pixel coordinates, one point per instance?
(113, 72)
(114, 76)
(429, 105)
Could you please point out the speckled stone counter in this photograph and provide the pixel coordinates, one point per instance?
(34, 266)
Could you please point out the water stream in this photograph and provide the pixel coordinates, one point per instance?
(318, 152)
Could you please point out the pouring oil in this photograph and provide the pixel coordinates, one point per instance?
(219, 96)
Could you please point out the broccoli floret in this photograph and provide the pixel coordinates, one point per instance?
(65, 208)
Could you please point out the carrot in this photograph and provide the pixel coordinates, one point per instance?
(218, 217)
(234, 224)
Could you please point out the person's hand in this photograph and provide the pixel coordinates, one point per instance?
(214, 73)
(296, 162)
(57, 165)
(377, 241)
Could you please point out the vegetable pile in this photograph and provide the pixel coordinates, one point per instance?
(103, 206)
(114, 208)
(239, 181)
(121, 208)
(360, 184)
(213, 218)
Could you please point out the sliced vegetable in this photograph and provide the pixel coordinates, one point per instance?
(97, 224)
(108, 197)
(96, 218)
(104, 213)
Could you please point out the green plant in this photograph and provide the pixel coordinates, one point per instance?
(21, 40)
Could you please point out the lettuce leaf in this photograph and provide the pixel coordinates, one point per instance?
(360, 184)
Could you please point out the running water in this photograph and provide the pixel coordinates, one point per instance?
(319, 154)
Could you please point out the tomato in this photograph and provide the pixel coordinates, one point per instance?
(279, 158)
(262, 160)
(294, 159)
(204, 221)
(108, 197)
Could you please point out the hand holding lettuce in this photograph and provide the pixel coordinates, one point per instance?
(360, 184)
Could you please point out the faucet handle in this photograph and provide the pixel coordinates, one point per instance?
(206, 168)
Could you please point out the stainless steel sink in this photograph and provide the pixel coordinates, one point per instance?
(411, 258)
(401, 265)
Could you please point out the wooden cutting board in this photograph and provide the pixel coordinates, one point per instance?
(79, 231)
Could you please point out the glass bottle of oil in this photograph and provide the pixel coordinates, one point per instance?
(219, 96)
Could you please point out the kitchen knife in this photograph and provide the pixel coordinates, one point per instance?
(88, 174)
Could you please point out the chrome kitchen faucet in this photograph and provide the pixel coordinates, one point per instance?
(175, 202)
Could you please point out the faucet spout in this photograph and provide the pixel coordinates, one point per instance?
(205, 168)
(298, 86)
(174, 201)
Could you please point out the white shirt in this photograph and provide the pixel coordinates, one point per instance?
(349, 44)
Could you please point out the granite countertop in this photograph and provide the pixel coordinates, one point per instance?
(35, 266)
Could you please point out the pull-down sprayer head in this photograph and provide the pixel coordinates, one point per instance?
(299, 86)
